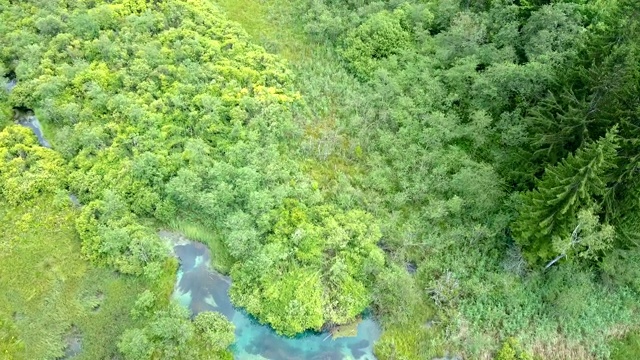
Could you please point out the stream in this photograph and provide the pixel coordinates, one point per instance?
(27, 118)
(200, 288)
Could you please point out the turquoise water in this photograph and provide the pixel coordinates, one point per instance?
(202, 289)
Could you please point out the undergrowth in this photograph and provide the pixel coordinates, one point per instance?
(51, 294)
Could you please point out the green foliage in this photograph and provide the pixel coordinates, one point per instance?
(552, 33)
(453, 127)
(379, 37)
(56, 290)
(49, 289)
(112, 235)
(431, 143)
(627, 348)
(27, 170)
(408, 319)
(170, 334)
(215, 330)
(144, 305)
(315, 268)
(589, 239)
(511, 350)
(619, 267)
(165, 112)
(548, 214)
(394, 292)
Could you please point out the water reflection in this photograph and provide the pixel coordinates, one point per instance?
(202, 289)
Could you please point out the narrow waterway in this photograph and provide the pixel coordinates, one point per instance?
(200, 288)
(27, 118)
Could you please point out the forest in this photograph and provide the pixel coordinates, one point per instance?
(463, 171)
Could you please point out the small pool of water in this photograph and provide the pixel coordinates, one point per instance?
(202, 289)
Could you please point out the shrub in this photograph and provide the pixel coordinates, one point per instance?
(511, 350)
(377, 38)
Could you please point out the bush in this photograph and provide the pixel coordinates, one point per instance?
(27, 170)
(377, 38)
(511, 350)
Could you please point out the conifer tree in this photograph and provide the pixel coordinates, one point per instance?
(549, 211)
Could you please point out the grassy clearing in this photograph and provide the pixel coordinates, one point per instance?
(51, 294)
(269, 24)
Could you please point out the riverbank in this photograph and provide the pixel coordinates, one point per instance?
(335, 155)
(434, 126)
(200, 288)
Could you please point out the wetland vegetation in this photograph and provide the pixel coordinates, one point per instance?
(463, 172)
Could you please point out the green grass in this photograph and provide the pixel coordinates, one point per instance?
(627, 348)
(420, 338)
(269, 24)
(49, 291)
(48, 128)
(221, 260)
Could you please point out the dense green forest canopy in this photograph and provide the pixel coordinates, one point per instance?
(465, 168)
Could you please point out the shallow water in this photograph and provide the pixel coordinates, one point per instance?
(202, 289)
(11, 84)
(32, 123)
(27, 118)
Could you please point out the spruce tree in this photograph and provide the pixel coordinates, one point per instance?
(550, 210)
